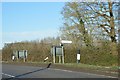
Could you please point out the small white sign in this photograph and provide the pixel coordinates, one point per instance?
(46, 58)
(13, 57)
(66, 41)
(78, 56)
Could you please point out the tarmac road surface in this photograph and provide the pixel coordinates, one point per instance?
(18, 71)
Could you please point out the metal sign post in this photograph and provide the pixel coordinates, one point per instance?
(61, 44)
(20, 54)
(59, 51)
(59, 59)
(53, 53)
(62, 55)
(56, 51)
(53, 58)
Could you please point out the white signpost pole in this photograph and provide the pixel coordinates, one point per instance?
(63, 42)
(62, 55)
(53, 58)
(59, 59)
(53, 48)
(17, 56)
(25, 55)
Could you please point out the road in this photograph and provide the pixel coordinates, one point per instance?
(17, 71)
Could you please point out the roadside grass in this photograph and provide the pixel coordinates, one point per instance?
(93, 67)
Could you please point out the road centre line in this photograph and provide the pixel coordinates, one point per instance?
(8, 75)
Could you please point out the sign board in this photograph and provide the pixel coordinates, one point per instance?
(20, 53)
(15, 53)
(23, 54)
(66, 41)
(56, 50)
(78, 56)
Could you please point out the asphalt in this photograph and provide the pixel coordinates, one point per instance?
(20, 71)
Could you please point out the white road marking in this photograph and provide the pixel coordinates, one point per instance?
(8, 75)
(82, 72)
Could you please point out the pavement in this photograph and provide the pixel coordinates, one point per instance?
(10, 71)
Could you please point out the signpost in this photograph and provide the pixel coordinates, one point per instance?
(56, 51)
(66, 41)
(59, 50)
(78, 56)
(20, 54)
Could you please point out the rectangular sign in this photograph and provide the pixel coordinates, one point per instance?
(78, 56)
(56, 50)
(66, 41)
(20, 53)
(15, 53)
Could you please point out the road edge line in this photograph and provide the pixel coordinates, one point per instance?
(83, 72)
(8, 75)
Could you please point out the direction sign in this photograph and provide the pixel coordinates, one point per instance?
(66, 41)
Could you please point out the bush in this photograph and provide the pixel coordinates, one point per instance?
(95, 55)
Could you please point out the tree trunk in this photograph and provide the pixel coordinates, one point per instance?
(85, 34)
(112, 33)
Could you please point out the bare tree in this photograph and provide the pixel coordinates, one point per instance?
(75, 23)
(104, 16)
(86, 18)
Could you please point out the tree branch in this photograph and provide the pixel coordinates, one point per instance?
(103, 26)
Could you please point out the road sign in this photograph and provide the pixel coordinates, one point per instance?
(20, 54)
(56, 50)
(66, 41)
(78, 56)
